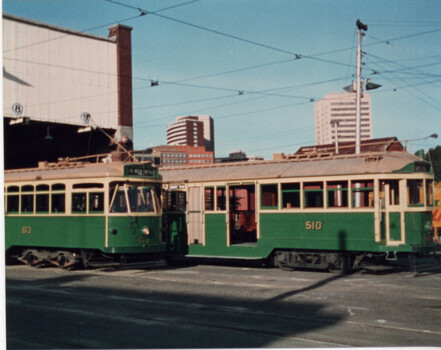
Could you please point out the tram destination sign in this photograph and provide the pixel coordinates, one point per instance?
(140, 171)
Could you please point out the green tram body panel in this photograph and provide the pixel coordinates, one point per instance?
(176, 229)
(337, 232)
(85, 232)
(418, 230)
(55, 231)
(129, 237)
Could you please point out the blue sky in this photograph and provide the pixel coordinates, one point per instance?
(204, 52)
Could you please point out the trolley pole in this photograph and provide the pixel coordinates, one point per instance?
(358, 87)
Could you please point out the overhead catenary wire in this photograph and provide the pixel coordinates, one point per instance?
(297, 56)
(233, 93)
(97, 27)
(422, 99)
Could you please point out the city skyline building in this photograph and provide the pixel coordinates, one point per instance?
(335, 114)
(171, 155)
(196, 131)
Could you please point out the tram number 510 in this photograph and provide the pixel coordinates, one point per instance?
(313, 225)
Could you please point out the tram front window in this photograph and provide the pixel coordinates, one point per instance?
(141, 200)
(138, 199)
(119, 202)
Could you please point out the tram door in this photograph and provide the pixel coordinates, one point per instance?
(392, 216)
(195, 216)
(242, 225)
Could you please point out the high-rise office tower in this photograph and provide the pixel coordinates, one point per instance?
(338, 110)
(195, 131)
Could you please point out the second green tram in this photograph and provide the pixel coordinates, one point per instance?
(320, 213)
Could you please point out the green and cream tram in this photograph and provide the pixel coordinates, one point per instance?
(320, 213)
(65, 214)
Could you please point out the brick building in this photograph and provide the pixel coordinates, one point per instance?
(169, 155)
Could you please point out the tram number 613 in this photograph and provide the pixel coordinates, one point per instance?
(313, 225)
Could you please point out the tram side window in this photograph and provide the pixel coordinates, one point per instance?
(269, 196)
(313, 194)
(429, 192)
(174, 200)
(362, 194)
(79, 203)
(96, 202)
(181, 200)
(221, 194)
(209, 198)
(13, 200)
(58, 199)
(291, 195)
(394, 191)
(42, 199)
(27, 199)
(337, 194)
(58, 203)
(415, 191)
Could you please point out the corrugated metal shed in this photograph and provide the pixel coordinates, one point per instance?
(338, 165)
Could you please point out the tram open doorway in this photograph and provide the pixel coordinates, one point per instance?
(242, 214)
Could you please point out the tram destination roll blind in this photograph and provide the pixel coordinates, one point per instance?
(140, 171)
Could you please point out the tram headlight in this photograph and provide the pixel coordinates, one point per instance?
(428, 226)
(146, 231)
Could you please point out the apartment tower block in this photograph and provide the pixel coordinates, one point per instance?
(338, 110)
(196, 131)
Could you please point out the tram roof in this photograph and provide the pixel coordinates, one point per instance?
(66, 171)
(385, 162)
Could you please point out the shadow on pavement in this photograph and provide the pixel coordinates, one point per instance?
(59, 313)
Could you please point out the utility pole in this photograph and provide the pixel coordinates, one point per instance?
(361, 27)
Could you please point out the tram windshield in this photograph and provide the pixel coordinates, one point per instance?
(139, 199)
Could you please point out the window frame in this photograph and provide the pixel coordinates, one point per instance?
(367, 189)
(275, 201)
(285, 192)
(307, 191)
(344, 196)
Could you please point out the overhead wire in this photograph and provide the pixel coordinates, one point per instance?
(297, 56)
(425, 95)
(84, 31)
(242, 101)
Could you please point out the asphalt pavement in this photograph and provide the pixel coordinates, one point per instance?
(221, 306)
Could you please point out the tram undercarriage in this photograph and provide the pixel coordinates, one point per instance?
(329, 261)
(345, 262)
(76, 259)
